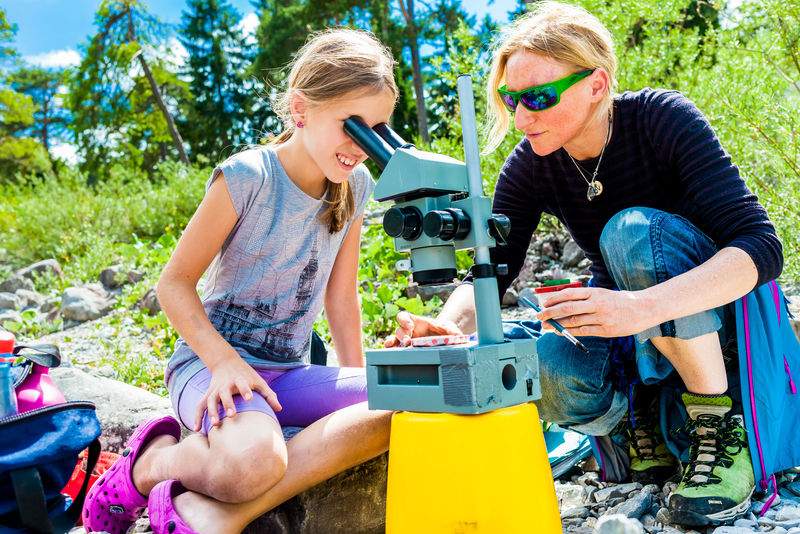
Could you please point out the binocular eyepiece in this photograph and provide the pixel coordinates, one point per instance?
(379, 142)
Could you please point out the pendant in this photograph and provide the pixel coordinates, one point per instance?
(595, 188)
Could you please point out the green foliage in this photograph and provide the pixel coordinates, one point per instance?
(50, 119)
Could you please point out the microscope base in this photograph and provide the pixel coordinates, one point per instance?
(470, 473)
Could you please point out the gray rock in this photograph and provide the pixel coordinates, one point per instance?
(10, 315)
(149, 302)
(618, 524)
(732, 530)
(648, 520)
(427, 292)
(745, 523)
(15, 282)
(50, 304)
(510, 297)
(636, 506)
(528, 293)
(50, 266)
(86, 303)
(573, 512)
(115, 277)
(29, 299)
(778, 530)
(572, 254)
(618, 490)
(787, 513)
(9, 301)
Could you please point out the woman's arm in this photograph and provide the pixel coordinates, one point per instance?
(342, 307)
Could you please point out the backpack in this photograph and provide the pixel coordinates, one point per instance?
(39, 447)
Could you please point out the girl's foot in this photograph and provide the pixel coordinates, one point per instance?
(174, 510)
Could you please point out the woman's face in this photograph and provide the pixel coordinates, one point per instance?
(551, 129)
(334, 152)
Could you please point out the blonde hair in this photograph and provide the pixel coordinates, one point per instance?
(563, 32)
(332, 63)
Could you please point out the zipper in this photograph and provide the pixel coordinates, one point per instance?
(46, 410)
(789, 374)
(765, 482)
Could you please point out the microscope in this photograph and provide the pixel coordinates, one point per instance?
(440, 207)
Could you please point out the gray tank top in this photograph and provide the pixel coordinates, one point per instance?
(266, 286)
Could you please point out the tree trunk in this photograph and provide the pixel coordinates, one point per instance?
(177, 141)
(407, 7)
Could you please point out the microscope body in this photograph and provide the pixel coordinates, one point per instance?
(439, 207)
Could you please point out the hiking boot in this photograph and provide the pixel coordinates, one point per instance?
(651, 461)
(718, 479)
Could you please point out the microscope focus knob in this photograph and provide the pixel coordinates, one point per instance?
(451, 223)
(499, 228)
(403, 222)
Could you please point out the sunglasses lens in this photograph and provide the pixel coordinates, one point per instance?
(508, 100)
(540, 98)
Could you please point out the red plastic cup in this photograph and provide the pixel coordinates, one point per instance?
(73, 486)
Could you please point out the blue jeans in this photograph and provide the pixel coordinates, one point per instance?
(641, 247)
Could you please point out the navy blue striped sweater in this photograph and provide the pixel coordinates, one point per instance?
(662, 154)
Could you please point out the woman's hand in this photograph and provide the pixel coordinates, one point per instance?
(594, 311)
(232, 376)
(416, 326)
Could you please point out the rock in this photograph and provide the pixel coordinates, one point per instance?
(115, 276)
(572, 255)
(29, 299)
(732, 530)
(149, 302)
(10, 315)
(648, 520)
(50, 304)
(615, 491)
(86, 303)
(572, 512)
(549, 251)
(794, 309)
(510, 297)
(787, 513)
(528, 293)
(569, 495)
(745, 523)
(9, 301)
(15, 282)
(120, 407)
(353, 501)
(636, 506)
(618, 524)
(427, 292)
(51, 267)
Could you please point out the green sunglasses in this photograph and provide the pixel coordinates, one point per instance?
(541, 97)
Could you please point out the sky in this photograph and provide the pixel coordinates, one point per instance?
(50, 31)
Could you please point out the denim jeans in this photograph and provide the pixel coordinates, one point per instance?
(641, 247)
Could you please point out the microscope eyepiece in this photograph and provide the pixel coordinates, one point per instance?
(370, 142)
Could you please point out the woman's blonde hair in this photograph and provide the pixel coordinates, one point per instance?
(566, 33)
(331, 64)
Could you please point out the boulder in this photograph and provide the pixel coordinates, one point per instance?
(50, 266)
(15, 282)
(9, 301)
(29, 299)
(115, 277)
(81, 304)
(149, 302)
(510, 298)
(572, 255)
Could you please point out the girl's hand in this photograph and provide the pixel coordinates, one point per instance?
(417, 326)
(230, 377)
(594, 311)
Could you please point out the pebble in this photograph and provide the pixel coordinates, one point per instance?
(732, 530)
(619, 490)
(636, 506)
(779, 530)
(787, 513)
(618, 524)
(745, 523)
(580, 512)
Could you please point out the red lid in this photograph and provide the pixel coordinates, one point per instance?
(6, 342)
(550, 289)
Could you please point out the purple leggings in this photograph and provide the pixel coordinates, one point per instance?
(306, 394)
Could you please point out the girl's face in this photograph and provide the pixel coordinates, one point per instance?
(334, 152)
(552, 128)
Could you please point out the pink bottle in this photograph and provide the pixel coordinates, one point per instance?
(37, 390)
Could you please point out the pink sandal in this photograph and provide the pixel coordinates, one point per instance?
(113, 504)
(164, 519)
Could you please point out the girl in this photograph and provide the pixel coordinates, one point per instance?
(282, 225)
(644, 187)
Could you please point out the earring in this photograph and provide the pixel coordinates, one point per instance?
(300, 124)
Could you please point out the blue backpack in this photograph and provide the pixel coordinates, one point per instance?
(769, 354)
(38, 452)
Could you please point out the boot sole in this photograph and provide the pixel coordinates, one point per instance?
(694, 519)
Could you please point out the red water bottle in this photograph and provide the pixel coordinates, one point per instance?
(8, 397)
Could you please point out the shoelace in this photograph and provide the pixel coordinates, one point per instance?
(644, 437)
(709, 449)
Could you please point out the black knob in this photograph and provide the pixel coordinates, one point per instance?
(451, 223)
(403, 222)
(499, 228)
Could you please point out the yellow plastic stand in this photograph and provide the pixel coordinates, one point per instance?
(484, 473)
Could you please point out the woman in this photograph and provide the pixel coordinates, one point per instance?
(643, 186)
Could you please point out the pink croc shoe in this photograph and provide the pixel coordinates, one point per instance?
(114, 503)
(164, 519)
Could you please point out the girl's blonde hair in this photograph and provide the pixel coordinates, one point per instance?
(566, 33)
(331, 64)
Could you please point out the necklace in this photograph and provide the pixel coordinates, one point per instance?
(595, 185)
